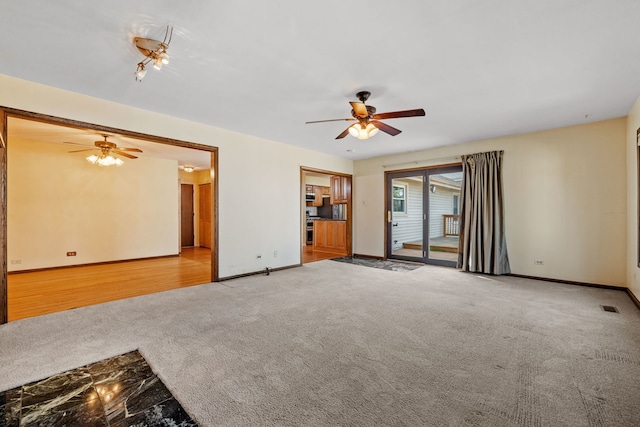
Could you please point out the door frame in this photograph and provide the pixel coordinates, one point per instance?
(6, 112)
(425, 172)
(303, 205)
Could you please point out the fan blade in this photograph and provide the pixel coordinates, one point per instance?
(397, 114)
(332, 120)
(386, 128)
(359, 108)
(120, 153)
(78, 151)
(137, 150)
(343, 134)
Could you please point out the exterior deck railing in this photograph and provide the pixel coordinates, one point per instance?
(451, 225)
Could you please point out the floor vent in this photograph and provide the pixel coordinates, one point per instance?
(609, 308)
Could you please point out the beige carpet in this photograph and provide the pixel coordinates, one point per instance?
(339, 344)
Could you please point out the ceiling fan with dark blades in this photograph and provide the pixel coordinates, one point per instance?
(106, 149)
(368, 122)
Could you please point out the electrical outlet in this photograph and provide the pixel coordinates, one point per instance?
(538, 262)
(71, 253)
(275, 254)
(258, 256)
(16, 261)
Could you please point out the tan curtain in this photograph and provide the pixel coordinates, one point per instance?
(482, 246)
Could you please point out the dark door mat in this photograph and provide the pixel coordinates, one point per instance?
(117, 392)
(378, 263)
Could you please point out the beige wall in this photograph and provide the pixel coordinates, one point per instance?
(57, 202)
(633, 272)
(565, 199)
(321, 181)
(259, 180)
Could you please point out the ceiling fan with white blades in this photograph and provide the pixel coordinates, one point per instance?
(107, 148)
(368, 121)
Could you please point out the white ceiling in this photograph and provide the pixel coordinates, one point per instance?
(480, 69)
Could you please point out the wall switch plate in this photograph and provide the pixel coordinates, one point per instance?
(16, 261)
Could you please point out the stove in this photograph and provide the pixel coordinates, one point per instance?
(309, 228)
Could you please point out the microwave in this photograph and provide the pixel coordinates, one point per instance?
(310, 197)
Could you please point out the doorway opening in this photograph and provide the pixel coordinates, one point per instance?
(112, 204)
(326, 222)
(423, 215)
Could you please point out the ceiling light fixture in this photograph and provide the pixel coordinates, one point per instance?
(362, 130)
(188, 169)
(105, 160)
(154, 51)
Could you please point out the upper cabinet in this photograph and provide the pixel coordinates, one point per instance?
(318, 192)
(340, 190)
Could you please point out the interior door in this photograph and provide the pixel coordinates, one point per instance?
(423, 215)
(186, 215)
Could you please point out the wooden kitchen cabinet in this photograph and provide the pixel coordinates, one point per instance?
(318, 192)
(330, 236)
(341, 236)
(340, 190)
(319, 234)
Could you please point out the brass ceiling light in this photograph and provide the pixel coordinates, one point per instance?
(154, 51)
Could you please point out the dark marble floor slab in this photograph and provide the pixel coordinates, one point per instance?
(116, 392)
(378, 263)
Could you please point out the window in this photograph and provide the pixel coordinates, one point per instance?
(456, 204)
(399, 199)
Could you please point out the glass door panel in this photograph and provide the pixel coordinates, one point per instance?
(444, 216)
(406, 223)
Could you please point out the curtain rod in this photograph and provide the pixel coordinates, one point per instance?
(415, 162)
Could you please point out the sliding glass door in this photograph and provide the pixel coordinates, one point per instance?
(423, 215)
(405, 216)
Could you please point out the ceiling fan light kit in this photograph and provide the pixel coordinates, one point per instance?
(103, 160)
(368, 122)
(361, 131)
(154, 51)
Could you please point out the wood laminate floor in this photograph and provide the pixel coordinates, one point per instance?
(309, 255)
(48, 291)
